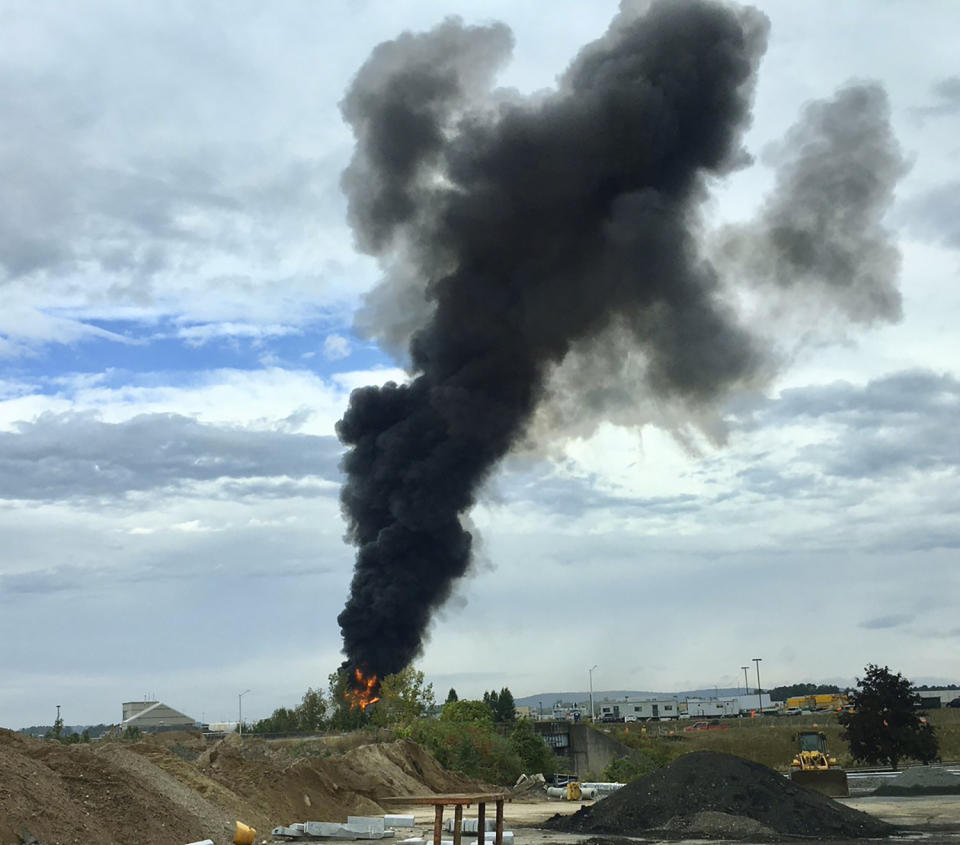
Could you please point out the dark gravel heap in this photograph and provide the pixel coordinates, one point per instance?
(922, 780)
(706, 781)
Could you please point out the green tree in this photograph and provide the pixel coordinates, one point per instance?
(56, 732)
(501, 705)
(312, 712)
(506, 710)
(534, 753)
(404, 697)
(466, 710)
(885, 724)
(282, 720)
(451, 696)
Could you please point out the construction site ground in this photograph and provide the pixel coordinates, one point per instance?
(179, 788)
(934, 820)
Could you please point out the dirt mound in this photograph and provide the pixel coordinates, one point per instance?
(68, 793)
(170, 790)
(679, 796)
(922, 780)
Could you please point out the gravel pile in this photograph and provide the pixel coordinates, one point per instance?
(922, 780)
(718, 795)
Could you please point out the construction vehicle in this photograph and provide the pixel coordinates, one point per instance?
(814, 768)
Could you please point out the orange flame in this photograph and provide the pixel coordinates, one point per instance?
(366, 691)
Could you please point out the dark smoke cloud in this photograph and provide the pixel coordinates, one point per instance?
(817, 248)
(513, 233)
(822, 226)
(533, 226)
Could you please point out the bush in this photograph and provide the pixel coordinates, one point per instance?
(535, 755)
(466, 711)
(472, 747)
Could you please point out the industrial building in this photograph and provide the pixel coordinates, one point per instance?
(155, 716)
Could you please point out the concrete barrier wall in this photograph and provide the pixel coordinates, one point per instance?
(591, 751)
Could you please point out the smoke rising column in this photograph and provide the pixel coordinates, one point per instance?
(514, 230)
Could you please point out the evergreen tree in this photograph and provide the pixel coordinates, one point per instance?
(451, 696)
(506, 708)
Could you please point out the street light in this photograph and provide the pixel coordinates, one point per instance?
(759, 691)
(240, 711)
(593, 716)
(746, 683)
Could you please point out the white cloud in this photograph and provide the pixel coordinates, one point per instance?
(336, 347)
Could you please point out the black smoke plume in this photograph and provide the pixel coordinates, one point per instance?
(512, 231)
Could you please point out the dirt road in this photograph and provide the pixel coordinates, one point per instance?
(937, 817)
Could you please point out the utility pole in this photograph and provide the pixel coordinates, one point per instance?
(593, 716)
(746, 683)
(759, 690)
(240, 711)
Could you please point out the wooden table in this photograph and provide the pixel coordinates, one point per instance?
(459, 801)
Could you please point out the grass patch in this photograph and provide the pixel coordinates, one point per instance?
(768, 740)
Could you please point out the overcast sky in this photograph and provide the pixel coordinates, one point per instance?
(178, 295)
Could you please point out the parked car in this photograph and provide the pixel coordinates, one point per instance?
(954, 703)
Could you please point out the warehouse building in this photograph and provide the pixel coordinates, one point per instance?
(154, 716)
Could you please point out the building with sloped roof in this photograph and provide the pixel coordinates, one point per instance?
(154, 716)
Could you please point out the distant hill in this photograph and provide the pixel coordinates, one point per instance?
(548, 699)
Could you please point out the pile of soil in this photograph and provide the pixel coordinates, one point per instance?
(325, 788)
(922, 780)
(718, 795)
(56, 794)
(169, 789)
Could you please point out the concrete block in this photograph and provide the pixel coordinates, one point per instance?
(470, 825)
(397, 820)
(324, 828)
(366, 824)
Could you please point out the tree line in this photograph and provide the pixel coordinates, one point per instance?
(482, 737)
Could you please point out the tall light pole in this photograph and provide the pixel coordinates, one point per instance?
(759, 691)
(746, 683)
(240, 711)
(593, 716)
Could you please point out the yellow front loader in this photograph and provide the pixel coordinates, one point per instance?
(814, 768)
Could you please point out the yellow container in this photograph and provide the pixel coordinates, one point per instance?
(573, 791)
(244, 835)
